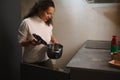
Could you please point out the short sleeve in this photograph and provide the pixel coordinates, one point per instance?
(23, 32)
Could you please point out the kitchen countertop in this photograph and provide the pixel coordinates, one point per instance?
(93, 58)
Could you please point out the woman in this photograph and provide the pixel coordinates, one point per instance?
(37, 21)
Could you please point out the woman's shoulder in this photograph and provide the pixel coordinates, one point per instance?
(26, 20)
(32, 19)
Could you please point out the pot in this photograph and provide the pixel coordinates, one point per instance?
(54, 51)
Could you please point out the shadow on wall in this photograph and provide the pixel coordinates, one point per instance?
(25, 6)
(118, 12)
(113, 16)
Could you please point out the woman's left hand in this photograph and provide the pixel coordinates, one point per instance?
(53, 39)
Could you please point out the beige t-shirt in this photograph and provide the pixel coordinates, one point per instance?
(35, 25)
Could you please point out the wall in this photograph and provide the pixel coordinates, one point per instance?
(76, 21)
(25, 6)
(10, 50)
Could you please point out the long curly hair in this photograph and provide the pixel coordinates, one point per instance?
(41, 6)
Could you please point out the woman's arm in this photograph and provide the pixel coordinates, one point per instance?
(25, 43)
(23, 35)
(32, 42)
(53, 39)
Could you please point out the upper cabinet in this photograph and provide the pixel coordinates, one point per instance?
(103, 1)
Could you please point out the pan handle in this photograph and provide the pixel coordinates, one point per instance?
(39, 39)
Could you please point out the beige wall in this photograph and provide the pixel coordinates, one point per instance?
(25, 6)
(75, 21)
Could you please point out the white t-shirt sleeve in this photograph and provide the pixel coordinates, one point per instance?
(23, 32)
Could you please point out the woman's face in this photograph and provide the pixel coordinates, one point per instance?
(46, 15)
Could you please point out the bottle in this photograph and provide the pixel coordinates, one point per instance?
(114, 44)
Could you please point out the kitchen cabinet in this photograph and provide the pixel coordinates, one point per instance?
(36, 72)
(103, 1)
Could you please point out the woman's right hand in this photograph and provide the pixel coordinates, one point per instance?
(35, 42)
(30, 42)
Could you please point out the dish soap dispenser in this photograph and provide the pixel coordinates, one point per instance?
(114, 44)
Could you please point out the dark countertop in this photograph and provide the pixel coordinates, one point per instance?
(93, 55)
(91, 61)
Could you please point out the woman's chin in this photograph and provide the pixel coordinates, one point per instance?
(45, 20)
